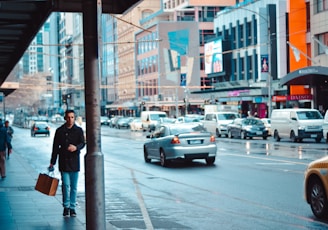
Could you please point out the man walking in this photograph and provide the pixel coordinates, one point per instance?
(10, 132)
(5, 142)
(68, 142)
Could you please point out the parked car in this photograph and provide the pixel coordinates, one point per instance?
(136, 124)
(104, 120)
(58, 119)
(113, 121)
(40, 127)
(316, 187)
(247, 127)
(190, 118)
(267, 123)
(170, 120)
(124, 122)
(186, 141)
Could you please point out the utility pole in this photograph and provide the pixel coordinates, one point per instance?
(269, 74)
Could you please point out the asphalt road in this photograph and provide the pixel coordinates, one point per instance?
(254, 184)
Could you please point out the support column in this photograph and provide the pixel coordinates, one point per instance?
(94, 160)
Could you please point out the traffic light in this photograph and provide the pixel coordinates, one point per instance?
(64, 98)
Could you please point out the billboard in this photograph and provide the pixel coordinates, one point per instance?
(264, 63)
(213, 57)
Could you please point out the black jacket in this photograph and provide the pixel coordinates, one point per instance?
(68, 161)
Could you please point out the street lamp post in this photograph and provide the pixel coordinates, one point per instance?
(269, 74)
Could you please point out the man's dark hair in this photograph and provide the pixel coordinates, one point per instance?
(69, 111)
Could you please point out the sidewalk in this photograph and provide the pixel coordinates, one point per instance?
(24, 208)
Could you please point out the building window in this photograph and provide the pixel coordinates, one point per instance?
(322, 5)
(308, 18)
(323, 38)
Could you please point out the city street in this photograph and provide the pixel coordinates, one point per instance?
(254, 184)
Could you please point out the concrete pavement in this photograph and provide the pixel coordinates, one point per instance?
(22, 207)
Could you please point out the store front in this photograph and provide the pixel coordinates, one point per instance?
(307, 87)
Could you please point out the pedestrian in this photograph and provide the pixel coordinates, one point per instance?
(10, 132)
(67, 144)
(5, 142)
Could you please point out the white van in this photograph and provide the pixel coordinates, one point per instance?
(216, 122)
(150, 119)
(296, 124)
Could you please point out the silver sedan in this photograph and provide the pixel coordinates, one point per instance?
(186, 141)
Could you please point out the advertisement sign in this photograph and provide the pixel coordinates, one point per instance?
(264, 63)
(213, 57)
(183, 79)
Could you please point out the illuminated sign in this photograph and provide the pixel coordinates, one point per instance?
(213, 57)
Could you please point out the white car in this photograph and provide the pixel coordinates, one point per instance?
(185, 141)
(136, 124)
(325, 126)
(267, 123)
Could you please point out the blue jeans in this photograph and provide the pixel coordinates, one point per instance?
(69, 188)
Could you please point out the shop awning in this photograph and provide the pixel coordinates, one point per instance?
(312, 75)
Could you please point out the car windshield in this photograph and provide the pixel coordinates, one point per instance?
(253, 122)
(268, 121)
(227, 116)
(156, 116)
(191, 119)
(168, 120)
(186, 129)
(309, 115)
(41, 125)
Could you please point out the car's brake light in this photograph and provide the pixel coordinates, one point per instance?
(36, 128)
(175, 140)
(48, 128)
(212, 139)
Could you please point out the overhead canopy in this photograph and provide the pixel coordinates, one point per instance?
(312, 75)
(20, 21)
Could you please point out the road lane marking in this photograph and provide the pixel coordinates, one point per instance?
(265, 159)
(145, 214)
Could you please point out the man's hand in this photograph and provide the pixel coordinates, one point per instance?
(72, 148)
(51, 168)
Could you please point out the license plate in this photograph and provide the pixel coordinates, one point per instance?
(313, 135)
(258, 133)
(195, 142)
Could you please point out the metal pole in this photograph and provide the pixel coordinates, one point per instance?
(186, 100)
(94, 160)
(176, 89)
(269, 74)
(176, 102)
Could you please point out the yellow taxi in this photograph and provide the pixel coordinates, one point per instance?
(316, 186)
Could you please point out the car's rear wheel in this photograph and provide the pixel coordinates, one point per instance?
(163, 160)
(243, 135)
(276, 136)
(230, 134)
(318, 198)
(318, 140)
(210, 160)
(147, 160)
(218, 133)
